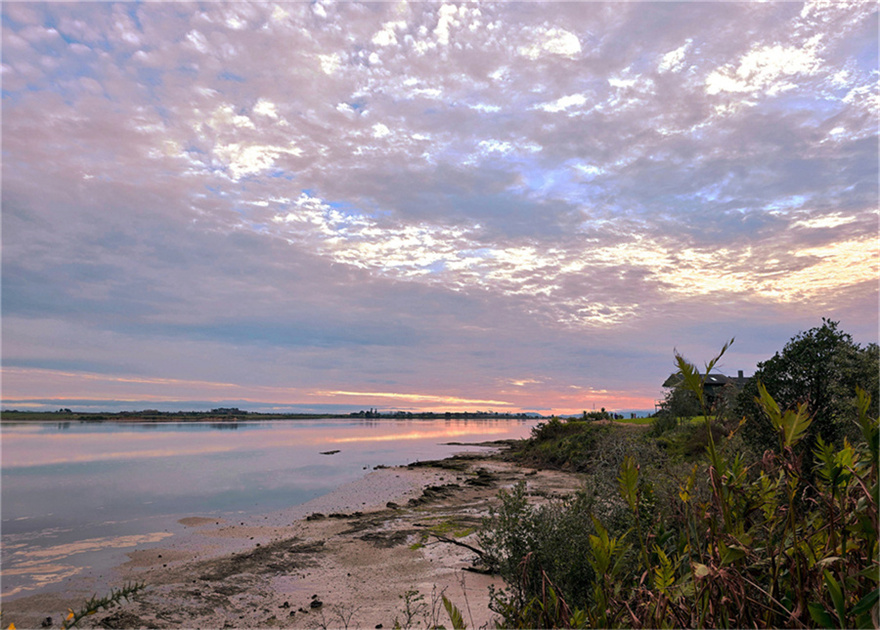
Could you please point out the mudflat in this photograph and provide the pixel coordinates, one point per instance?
(373, 553)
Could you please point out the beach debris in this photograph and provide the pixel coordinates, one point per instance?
(432, 493)
(484, 478)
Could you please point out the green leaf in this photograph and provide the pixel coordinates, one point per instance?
(820, 615)
(629, 482)
(454, 614)
(795, 424)
(766, 402)
(836, 597)
(732, 554)
(691, 379)
(866, 603)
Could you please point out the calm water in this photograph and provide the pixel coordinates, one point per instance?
(79, 496)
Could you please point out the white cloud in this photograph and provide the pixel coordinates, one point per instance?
(330, 63)
(387, 36)
(554, 41)
(830, 221)
(250, 159)
(564, 103)
(267, 108)
(279, 14)
(484, 108)
(198, 41)
(381, 131)
(236, 23)
(767, 68)
(622, 84)
(224, 116)
(866, 96)
(447, 14)
(673, 61)
(495, 146)
(589, 170)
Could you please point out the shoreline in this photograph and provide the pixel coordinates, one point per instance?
(361, 550)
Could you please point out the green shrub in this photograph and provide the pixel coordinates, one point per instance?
(746, 541)
(523, 542)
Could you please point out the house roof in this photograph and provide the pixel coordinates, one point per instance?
(713, 380)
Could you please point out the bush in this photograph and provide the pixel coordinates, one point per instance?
(527, 545)
(556, 444)
(663, 422)
(746, 541)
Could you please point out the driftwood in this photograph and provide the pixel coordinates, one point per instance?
(485, 569)
(452, 541)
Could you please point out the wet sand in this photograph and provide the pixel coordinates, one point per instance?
(344, 560)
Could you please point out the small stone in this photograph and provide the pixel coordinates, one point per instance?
(47, 622)
(285, 605)
(316, 603)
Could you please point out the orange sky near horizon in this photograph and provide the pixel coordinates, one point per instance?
(23, 385)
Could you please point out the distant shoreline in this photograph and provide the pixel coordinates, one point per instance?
(150, 416)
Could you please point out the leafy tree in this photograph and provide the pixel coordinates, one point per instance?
(680, 403)
(820, 367)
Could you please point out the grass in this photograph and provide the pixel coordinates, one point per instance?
(640, 421)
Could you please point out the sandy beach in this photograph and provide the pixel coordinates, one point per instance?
(349, 559)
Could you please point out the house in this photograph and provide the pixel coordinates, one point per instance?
(713, 384)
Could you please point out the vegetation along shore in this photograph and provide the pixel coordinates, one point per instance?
(751, 507)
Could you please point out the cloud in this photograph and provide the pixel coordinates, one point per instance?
(553, 41)
(512, 186)
(767, 69)
(564, 103)
(673, 61)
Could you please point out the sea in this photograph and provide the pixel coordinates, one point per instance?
(76, 497)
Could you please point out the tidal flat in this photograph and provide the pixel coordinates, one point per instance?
(371, 553)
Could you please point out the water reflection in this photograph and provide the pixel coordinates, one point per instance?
(224, 426)
(70, 488)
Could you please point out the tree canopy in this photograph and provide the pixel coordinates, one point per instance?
(822, 367)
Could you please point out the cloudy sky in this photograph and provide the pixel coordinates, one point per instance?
(517, 206)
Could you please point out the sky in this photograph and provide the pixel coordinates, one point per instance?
(507, 207)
